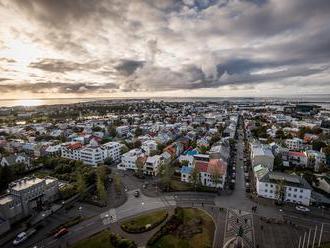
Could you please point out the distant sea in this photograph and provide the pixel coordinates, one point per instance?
(320, 99)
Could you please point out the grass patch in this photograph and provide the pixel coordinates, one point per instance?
(105, 239)
(187, 228)
(144, 222)
(176, 185)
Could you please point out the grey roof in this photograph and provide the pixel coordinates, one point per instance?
(289, 180)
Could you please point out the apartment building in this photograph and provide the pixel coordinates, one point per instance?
(294, 144)
(93, 153)
(152, 165)
(261, 154)
(281, 186)
(128, 159)
(122, 130)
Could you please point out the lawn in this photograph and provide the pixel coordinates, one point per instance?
(180, 186)
(139, 223)
(202, 239)
(104, 239)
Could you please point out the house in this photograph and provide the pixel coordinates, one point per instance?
(188, 156)
(261, 154)
(152, 165)
(148, 146)
(294, 144)
(298, 159)
(128, 159)
(16, 159)
(324, 183)
(212, 172)
(122, 130)
(186, 172)
(281, 186)
(315, 159)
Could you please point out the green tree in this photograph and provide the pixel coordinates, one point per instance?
(81, 184)
(138, 131)
(318, 144)
(166, 172)
(195, 178)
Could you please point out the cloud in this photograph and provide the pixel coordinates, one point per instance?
(167, 45)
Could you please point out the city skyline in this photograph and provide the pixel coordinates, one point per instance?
(189, 48)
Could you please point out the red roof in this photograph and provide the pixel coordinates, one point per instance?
(201, 166)
(297, 154)
(217, 166)
(74, 146)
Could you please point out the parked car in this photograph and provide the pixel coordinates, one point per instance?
(303, 209)
(21, 237)
(61, 232)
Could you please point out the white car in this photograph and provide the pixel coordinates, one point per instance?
(20, 238)
(303, 209)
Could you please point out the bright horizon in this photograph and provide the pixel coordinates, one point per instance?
(190, 48)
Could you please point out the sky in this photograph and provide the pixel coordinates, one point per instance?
(174, 48)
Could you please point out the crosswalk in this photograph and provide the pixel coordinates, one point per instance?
(109, 217)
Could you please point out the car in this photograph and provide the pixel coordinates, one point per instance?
(302, 209)
(20, 238)
(61, 232)
(137, 193)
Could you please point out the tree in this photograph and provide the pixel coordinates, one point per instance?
(203, 149)
(6, 176)
(166, 173)
(108, 161)
(137, 144)
(279, 191)
(81, 184)
(195, 179)
(184, 163)
(303, 131)
(215, 176)
(318, 144)
(278, 162)
(112, 131)
(138, 131)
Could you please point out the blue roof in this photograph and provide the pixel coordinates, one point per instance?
(191, 152)
(186, 170)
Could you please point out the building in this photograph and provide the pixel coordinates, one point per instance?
(128, 159)
(16, 159)
(295, 144)
(281, 186)
(148, 146)
(112, 150)
(93, 153)
(27, 194)
(152, 165)
(122, 130)
(212, 172)
(297, 159)
(261, 154)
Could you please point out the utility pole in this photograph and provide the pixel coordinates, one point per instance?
(314, 236)
(321, 233)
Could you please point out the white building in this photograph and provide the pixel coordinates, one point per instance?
(295, 144)
(281, 186)
(148, 146)
(93, 153)
(122, 130)
(128, 159)
(262, 155)
(152, 165)
(113, 150)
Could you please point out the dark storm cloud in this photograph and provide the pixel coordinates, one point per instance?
(128, 67)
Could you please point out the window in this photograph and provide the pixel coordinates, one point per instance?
(266, 190)
(266, 184)
(301, 190)
(270, 191)
(295, 190)
(289, 188)
(295, 196)
(289, 194)
(300, 196)
(271, 185)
